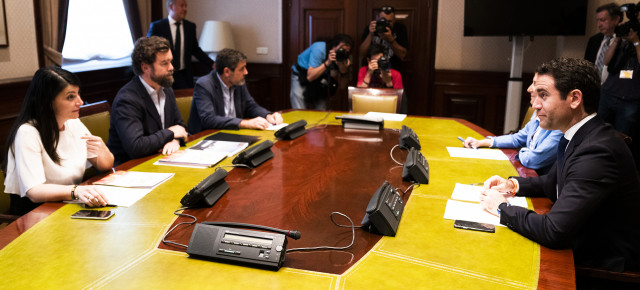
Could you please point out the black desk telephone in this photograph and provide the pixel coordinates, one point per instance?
(255, 155)
(384, 211)
(208, 191)
(237, 246)
(416, 167)
(292, 131)
(408, 138)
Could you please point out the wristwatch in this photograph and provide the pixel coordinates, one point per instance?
(636, 43)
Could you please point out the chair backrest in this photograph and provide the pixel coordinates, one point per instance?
(527, 117)
(184, 105)
(5, 199)
(97, 119)
(364, 100)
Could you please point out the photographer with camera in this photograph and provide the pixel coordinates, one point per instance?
(620, 97)
(319, 71)
(378, 73)
(386, 32)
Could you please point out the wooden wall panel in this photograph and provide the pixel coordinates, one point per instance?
(478, 97)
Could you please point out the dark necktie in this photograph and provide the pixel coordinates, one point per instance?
(176, 48)
(562, 145)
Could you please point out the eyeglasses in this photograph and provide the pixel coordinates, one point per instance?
(387, 9)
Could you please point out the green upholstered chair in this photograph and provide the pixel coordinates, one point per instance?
(97, 119)
(184, 105)
(5, 202)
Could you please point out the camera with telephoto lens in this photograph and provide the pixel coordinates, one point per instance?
(631, 10)
(381, 26)
(342, 54)
(384, 63)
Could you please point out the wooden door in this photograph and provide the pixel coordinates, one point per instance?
(312, 20)
(306, 21)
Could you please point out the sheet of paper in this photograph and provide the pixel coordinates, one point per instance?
(230, 148)
(460, 210)
(134, 179)
(192, 158)
(123, 196)
(277, 127)
(466, 192)
(386, 116)
(494, 154)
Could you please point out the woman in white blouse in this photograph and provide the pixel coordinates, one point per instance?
(48, 148)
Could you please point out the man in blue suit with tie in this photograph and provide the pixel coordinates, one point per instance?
(593, 185)
(537, 146)
(181, 34)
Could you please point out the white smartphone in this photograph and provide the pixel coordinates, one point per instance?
(93, 214)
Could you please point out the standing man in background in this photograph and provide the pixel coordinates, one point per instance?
(181, 34)
(607, 18)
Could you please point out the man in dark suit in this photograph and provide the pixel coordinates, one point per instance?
(221, 99)
(607, 18)
(176, 28)
(145, 119)
(593, 184)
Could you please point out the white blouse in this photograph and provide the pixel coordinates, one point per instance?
(30, 165)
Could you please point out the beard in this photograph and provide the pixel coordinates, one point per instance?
(163, 80)
(239, 83)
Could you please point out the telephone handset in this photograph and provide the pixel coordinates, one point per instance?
(292, 131)
(255, 155)
(384, 211)
(408, 138)
(208, 191)
(416, 167)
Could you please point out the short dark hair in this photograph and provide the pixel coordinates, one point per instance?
(229, 58)
(338, 38)
(575, 74)
(145, 51)
(612, 8)
(37, 108)
(375, 48)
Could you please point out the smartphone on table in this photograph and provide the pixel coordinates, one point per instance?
(93, 214)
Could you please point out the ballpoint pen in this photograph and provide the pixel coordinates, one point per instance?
(460, 138)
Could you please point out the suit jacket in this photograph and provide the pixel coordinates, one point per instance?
(596, 208)
(191, 47)
(591, 53)
(136, 129)
(207, 106)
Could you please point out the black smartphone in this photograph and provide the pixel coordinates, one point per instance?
(467, 225)
(92, 214)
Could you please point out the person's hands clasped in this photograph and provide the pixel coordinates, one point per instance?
(499, 184)
(490, 199)
(275, 118)
(91, 196)
(255, 123)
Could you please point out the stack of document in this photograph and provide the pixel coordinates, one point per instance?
(124, 188)
(209, 151)
(465, 205)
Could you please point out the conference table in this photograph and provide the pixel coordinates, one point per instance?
(329, 169)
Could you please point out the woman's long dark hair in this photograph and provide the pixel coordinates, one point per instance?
(37, 108)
